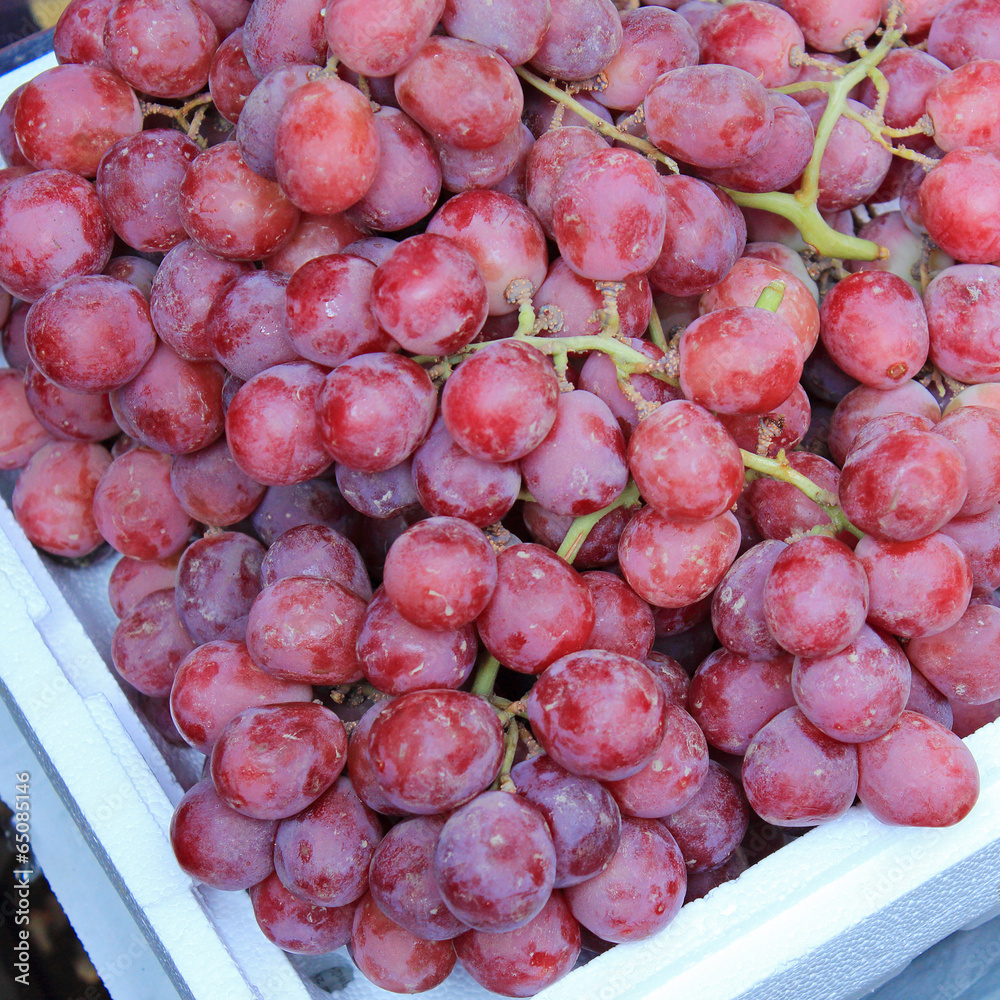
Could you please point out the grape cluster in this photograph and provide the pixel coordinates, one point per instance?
(548, 441)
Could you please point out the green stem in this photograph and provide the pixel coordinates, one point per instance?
(656, 334)
(525, 319)
(815, 230)
(609, 131)
(771, 296)
(627, 359)
(836, 101)
(486, 675)
(510, 736)
(582, 526)
(800, 208)
(780, 468)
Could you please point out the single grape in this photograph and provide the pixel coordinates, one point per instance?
(218, 846)
(539, 610)
(582, 816)
(273, 761)
(214, 683)
(297, 926)
(598, 714)
(918, 774)
(323, 853)
(433, 750)
(394, 958)
(641, 889)
(495, 863)
(795, 775)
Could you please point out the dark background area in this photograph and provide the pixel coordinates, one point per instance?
(60, 969)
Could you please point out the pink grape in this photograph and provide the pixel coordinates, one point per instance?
(730, 103)
(609, 215)
(218, 846)
(434, 750)
(917, 587)
(54, 497)
(407, 179)
(322, 854)
(90, 333)
(392, 957)
(297, 926)
(473, 220)
(671, 563)
(598, 714)
(816, 597)
(398, 656)
(304, 628)
(732, 696)
(580, 465)
(379, 40)
(85, 111)
(539, 611)
(959, 660)
(581, 39)
(623, 621)
(672, 778)
(856, 694)
(639, 892)
(320, 122)
(898, 351)
(739, 360)
(967, 229)
(401, 880)
(738, 616)
(684, 462)
(272, 428)
(512, 28)
(582, 816)
(440, 573)
(461, 92)
(374, 410)
(709, 829)
(231, 211)
(135, 509)
(430, 295)
(452, 483)
(149, 643)
(795, 775)
(273, 761)
(495, 863)
(550, 941)
(218, 577)
(918, 774)
(500, 418)
(214, 683)
(163, 48)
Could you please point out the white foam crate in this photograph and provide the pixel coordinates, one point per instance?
(828, 917)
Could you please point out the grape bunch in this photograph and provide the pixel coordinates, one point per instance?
(549, 443)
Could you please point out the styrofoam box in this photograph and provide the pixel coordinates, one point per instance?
(832, 915)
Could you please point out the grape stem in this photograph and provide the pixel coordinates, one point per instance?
(609, 131)
(486, 675)
(503, 782)
(627, 359)
(656, 334)
(780, 468)
(800, 208)
(582, 526)
(196, 107)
